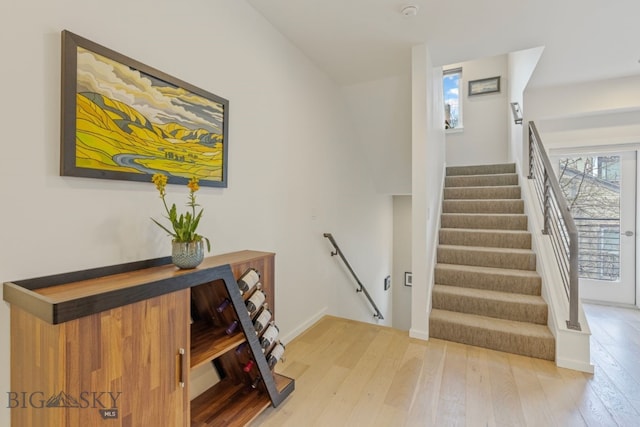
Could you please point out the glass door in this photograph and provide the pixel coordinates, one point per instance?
(600, 189)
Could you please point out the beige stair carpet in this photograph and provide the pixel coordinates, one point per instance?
(487, 292)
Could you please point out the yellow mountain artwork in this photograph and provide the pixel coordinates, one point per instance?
(127, 121)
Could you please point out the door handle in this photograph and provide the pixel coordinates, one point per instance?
(183, 368)
(627, 233)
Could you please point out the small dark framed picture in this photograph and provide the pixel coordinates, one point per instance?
(482, 86)
(408, 278)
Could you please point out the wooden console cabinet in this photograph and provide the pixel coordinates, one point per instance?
(113, 346)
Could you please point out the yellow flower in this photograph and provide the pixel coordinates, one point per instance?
(160, 181)
(193, 184)
(183, 225)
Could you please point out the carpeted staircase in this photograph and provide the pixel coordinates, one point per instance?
(487, 292)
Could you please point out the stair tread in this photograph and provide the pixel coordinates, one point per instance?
(480, 169)
(484, 214)
(481, 180)
(487, 237)
(507, 297)
(483, 192)
(485, 230)
(489, 270)
(487, 249)
(484, 221)
(483, 187)
(483, 200)
(493, 324)
(486, 174)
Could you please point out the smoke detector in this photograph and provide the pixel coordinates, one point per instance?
(410, 10)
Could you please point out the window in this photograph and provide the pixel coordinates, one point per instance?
(452, 83)
(591, 185)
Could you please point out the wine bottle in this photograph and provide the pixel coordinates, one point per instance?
(269, 337)
(241, 348)
(256, 381)
(232, 327)
(256, 300)
(275, 355)
(248, 365)
(248, 279)
(262, 320)
(223, 305)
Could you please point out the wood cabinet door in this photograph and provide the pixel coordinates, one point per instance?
(120, 367)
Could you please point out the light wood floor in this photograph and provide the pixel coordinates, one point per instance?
(355, 374)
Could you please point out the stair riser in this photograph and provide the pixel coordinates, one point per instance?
(487, 259)
(490, 282)
(520, 312)
(457, 193)
(480, 180)
(481, 169)
(486, 239)
(513, 206)
(486, 222)
(495, 340)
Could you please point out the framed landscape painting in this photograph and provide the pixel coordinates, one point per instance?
(482, 86)
(122, 119)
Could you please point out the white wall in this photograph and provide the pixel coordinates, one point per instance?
(381, 112)
(617, 128)
(401, 261)
(571, 101)
(521, 65)
(595, 114)
(428, 163)
(605, 112)
(483, 139)
(363, 228)
(294, 169)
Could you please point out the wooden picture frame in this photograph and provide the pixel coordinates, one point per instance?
(484, 86)
(121, 119)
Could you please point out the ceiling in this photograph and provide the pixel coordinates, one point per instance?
(362, 40)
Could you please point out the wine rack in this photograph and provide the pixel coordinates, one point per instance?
(147, 305)
(247, 385)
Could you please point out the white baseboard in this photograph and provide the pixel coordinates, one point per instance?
(304, 326)
(609, 304)
(576, 365)
(421, 335)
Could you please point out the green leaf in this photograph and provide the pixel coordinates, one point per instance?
(164, 228)
(184, 225)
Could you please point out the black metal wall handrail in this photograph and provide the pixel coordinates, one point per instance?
(361, 287)
(558, 221)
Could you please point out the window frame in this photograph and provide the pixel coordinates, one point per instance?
(446, 72)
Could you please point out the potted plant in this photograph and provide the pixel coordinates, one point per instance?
(187, 246)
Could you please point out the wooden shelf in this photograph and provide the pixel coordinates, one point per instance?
(63, 297)
(228, 404)
(232, 401)
(209, 342)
